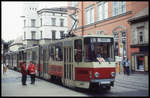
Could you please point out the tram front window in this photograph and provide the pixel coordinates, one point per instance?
(98, 47)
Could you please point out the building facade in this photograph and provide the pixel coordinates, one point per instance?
(41, 25)
(139, 41)
(108, 18)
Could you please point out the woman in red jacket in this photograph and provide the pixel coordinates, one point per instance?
(24, 73)
(31, 69)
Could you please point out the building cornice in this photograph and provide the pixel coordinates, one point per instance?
(15, 44)
(53, 10)
(139, 45)
(31, 40)
(138, 19)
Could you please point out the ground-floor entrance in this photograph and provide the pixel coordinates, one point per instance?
(139, 62)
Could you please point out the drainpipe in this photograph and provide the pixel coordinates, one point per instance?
(82, 18)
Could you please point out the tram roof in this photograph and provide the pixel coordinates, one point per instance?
(77, 37)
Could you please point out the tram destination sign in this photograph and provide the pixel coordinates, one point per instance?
(104, 40)
(93, 40)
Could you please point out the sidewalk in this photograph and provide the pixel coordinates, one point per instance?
(137, 81)
(12, 86)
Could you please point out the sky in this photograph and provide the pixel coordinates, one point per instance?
(12, 24)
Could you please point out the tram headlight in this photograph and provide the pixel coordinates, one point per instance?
(97, 74)
(112, 74)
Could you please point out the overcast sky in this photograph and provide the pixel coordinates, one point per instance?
(11, 20)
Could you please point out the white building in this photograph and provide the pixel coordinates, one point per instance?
(44, 24)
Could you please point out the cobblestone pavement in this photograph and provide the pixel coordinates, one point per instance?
(133, 85)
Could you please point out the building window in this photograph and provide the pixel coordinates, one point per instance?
(24, 35)
(41, 21)
(61, 22)
(141, 37)
(100, 32)
(74, 4)
(33, 34)
(24, 23)
(118, 8)
(32, 22)
(140, 34)
(53, 21)
(89, 15)
(102, 12)
(41, 35)
(61, 34)
(53, 35)
(53, 14)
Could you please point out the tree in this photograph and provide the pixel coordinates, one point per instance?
(10, 42)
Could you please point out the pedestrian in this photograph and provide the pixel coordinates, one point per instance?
(31, 69)
(124, 65)
(24, 73)
(128, 67)
(4, 68)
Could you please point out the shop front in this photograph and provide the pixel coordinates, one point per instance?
(139, 62)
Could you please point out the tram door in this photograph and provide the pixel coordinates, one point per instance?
(45, 62)
(68, 66)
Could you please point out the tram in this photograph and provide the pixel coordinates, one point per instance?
(85, 62)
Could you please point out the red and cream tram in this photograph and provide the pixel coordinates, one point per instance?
(85, 62)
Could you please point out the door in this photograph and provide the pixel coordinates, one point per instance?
(45, 62)
(139, 62)
(68, 66)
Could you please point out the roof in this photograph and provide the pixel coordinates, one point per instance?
(18, 40)
(142, 14)
(60, 10)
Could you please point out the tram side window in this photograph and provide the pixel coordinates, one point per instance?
(34, 56)
(78, 50)
(59, 54)
(51, 53)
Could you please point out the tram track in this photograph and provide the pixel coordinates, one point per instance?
(134, 81)
(130, 85)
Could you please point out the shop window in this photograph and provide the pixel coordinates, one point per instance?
(140, 63)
